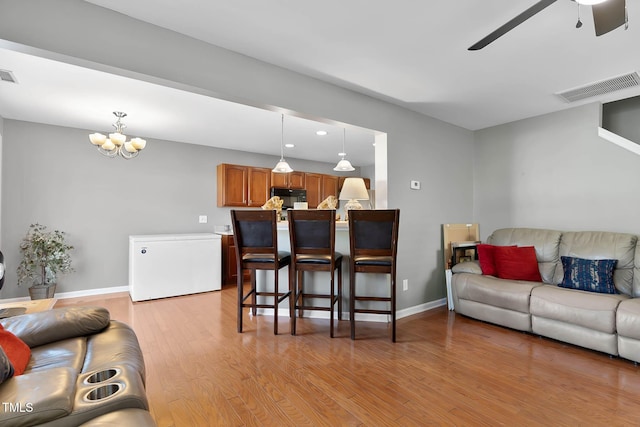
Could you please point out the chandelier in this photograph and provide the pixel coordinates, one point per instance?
(117, 143)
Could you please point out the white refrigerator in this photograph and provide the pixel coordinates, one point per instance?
(166, 265)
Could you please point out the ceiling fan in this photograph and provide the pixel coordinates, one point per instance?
(607, 15)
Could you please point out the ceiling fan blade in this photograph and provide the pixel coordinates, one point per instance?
(608, 15)
(543, 4)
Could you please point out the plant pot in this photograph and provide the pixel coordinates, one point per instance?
(42, 292)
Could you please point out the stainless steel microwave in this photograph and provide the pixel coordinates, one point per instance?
(289, 196)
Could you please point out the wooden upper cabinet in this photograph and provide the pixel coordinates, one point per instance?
(259, 187)
(242, 186)
(313, 183)
(294, 180)
(329, 186)
(232, 185)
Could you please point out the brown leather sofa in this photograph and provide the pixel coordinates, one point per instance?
(609, 323)
(85, 369)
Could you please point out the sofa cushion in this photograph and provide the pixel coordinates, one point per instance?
(593, 275)
(546, 243)
(508, 294)
(587, 309)
(16, 350)
(6, 368)
(68, 353)
(58, 324)
(517, 263)
(628, 318)
(38, 397)
(603, 245)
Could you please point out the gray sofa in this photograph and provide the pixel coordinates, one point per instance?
(85, 369)
(609, 323)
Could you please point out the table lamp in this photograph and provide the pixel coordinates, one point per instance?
(353, 190)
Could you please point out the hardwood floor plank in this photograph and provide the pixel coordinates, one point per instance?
(445, 369)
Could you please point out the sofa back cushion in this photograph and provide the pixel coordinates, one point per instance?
(546, 243)
(602, 245)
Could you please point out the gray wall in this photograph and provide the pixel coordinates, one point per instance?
(54, 176)
(420, 148)
(553, 171)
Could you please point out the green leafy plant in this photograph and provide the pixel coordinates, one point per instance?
(44, 254)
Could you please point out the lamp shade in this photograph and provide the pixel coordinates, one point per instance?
(344, 165)
(282, 167)
(354, 189)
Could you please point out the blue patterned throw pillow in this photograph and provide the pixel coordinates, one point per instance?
(593, 275)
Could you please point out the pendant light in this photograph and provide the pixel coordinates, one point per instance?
(344, 165)
(282, 166)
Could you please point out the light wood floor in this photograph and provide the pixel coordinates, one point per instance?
(445, 369)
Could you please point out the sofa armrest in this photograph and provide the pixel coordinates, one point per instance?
(58, 324)
(472, 267)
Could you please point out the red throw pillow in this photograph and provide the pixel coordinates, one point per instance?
(486, 258)
(517, 263)
(16, 350)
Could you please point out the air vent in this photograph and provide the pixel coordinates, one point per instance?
(600, 88)
(7, 76)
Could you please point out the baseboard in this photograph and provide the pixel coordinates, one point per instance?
(77, 294)
(363, 317)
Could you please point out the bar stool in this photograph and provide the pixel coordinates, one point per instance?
(256, 241)
(313, 242)
(373, 239)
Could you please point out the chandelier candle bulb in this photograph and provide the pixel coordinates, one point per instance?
(117, 138)
(108, 145)
(129, 147)
(138, 143)
(97, 138)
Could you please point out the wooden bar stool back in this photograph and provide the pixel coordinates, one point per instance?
(256, 240)
(313, 244)
(373, 239)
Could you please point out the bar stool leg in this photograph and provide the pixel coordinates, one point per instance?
(340, 290)
(352, 303)
(275, 302)
(239, 285)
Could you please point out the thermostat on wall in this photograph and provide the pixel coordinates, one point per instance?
(415, 185)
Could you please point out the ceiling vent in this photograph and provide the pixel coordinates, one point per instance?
(601, 87)
(7, 76)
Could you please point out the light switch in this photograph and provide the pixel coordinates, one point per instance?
(415, 185)
(202, 219)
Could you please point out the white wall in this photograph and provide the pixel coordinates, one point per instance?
(419, 148)
(553, 171)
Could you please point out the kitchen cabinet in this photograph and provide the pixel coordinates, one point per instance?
(242, 186)
(313, 183)
(329, 186)
(259, 187)
(229, 266)
(294, 180)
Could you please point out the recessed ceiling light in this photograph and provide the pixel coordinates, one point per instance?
(289, 145)
(342, 154)
(321, 132)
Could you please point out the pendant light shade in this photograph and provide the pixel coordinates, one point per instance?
(344, 165)
(282, 166)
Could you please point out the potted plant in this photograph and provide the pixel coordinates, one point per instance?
(44, 255)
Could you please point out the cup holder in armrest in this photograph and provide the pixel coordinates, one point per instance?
(103, 392)
(101, 376)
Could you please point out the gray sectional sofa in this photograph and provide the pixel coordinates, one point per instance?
(609, 323)
(85, 369)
